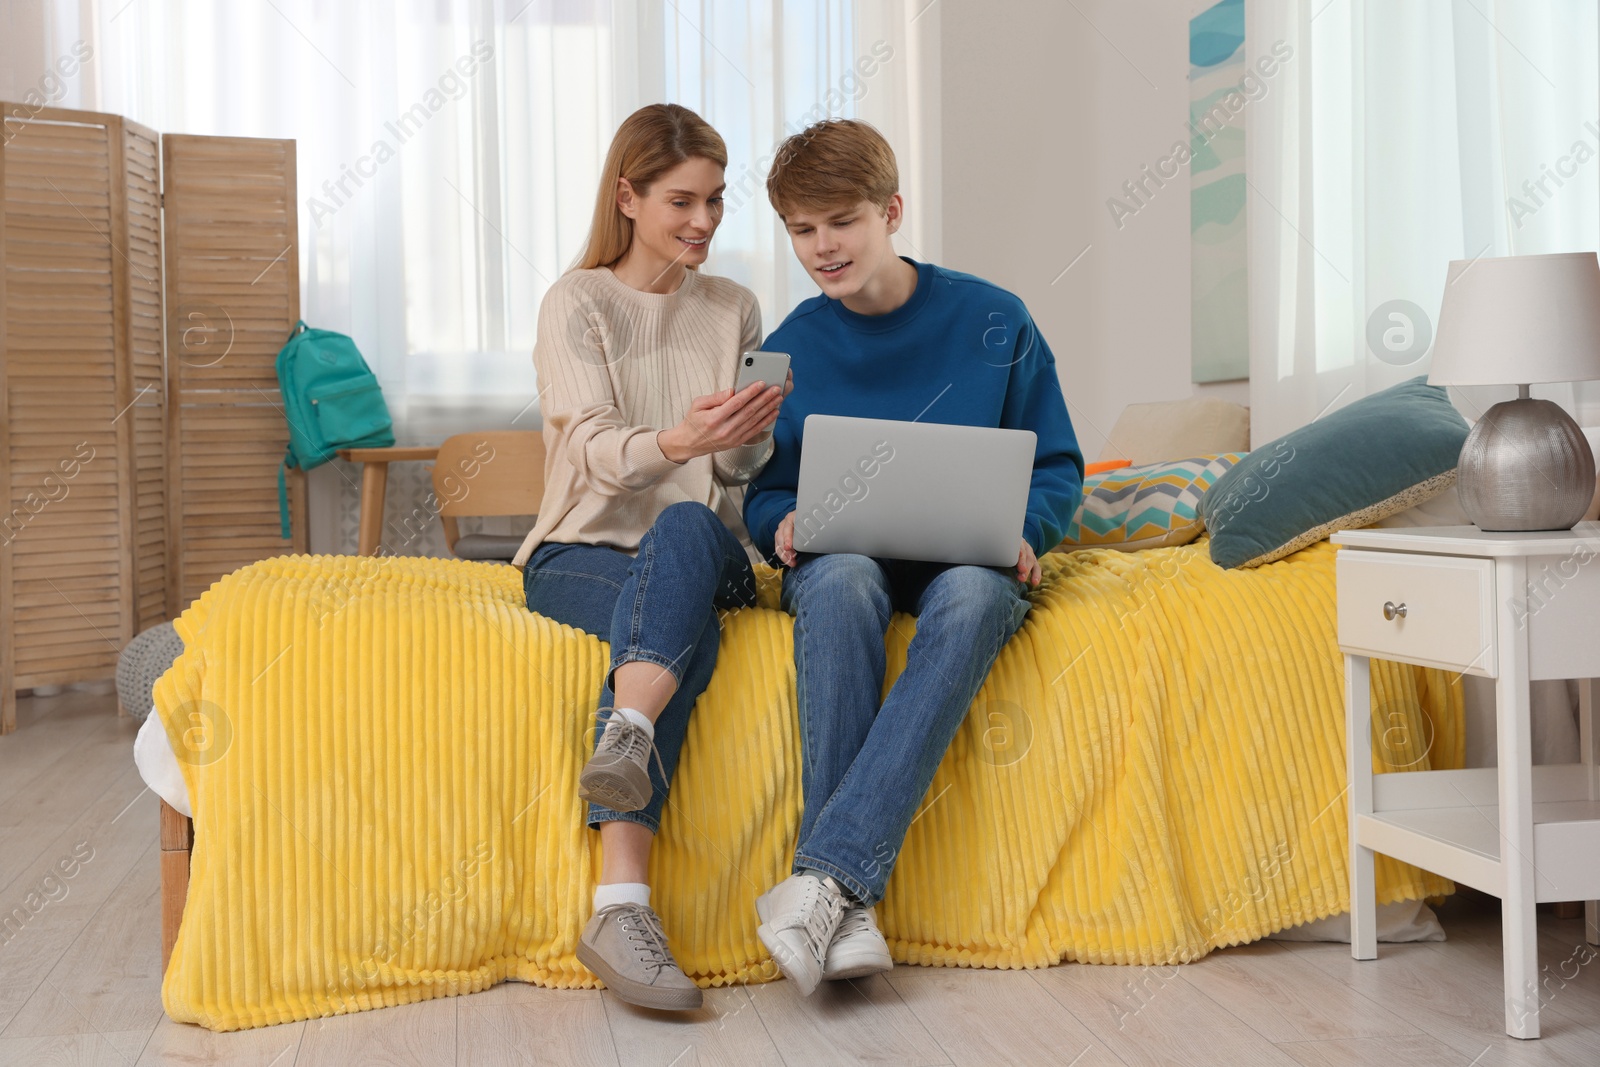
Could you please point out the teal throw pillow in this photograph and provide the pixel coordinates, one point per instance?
(1368, 460)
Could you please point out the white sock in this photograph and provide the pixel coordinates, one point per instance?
(621, 893)
(638, 718)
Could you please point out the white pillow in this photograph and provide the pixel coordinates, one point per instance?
(1177, 429)
(1440, 509)
(158, 765)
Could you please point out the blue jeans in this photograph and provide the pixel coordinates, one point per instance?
(866, 768)
(659, 607)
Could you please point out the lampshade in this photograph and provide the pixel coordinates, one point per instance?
(1519, 320)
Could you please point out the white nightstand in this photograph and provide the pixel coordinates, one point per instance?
(1515, 607)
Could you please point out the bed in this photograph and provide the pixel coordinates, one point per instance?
(382, 754)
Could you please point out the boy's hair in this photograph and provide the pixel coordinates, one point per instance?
(829, 164)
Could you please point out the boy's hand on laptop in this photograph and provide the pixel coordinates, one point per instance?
(783, 540)
(1028, 570)
(720, 421)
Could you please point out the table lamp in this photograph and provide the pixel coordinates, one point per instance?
(1519, 320)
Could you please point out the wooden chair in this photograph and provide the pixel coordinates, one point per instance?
(489, 473)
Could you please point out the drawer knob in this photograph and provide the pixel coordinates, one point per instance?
(1391, 610)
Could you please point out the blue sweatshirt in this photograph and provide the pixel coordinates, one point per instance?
(961, 351)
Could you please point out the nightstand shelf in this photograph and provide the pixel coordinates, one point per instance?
(1515, 608)
(1471, 837)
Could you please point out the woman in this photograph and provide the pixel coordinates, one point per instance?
(639, 538)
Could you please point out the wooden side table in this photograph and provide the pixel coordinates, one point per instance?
(375, 484)
(1515, 607)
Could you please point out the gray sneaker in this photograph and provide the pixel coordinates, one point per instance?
(626, 948)
(617, 776)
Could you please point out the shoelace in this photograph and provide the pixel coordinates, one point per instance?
(628, 739)
(856, 919)
(820, 910)
(652, 942)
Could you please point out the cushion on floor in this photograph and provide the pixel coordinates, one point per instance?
(142, 660)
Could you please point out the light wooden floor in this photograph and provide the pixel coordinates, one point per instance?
(79, 983)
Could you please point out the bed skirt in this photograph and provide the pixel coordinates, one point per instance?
(383, 757)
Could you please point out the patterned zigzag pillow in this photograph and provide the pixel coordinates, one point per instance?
(1153, 505)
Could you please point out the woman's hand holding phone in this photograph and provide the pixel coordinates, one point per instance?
(722, 420)
(788, 387)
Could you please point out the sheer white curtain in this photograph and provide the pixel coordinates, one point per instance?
(1397, 138)
(449, 151)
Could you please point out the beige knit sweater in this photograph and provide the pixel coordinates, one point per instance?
(616, 366)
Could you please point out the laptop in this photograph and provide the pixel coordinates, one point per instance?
(913, 490)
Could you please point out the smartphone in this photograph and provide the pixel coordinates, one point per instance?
(768, 368)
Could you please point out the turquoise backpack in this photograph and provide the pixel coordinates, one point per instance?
(331, 400)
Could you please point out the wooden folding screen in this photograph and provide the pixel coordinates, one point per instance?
(137, 468)
(233, 294)
(147, 413)
(80, 396)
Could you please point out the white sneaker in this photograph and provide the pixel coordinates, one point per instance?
(798, 918)
(858, 948)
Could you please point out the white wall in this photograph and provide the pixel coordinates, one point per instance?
(1045, 113)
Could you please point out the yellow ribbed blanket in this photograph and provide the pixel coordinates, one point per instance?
(383, 755)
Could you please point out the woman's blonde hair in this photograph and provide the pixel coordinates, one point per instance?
(650, 142)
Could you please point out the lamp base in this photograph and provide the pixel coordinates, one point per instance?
(1526, 466)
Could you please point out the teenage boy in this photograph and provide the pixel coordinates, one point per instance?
(888, 338)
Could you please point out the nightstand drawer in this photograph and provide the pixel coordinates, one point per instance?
(1433, 610)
